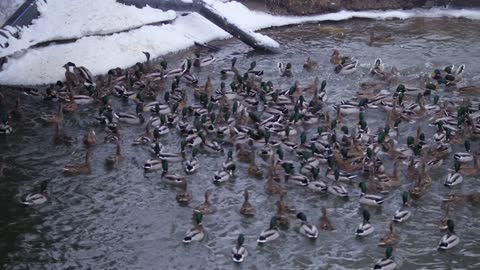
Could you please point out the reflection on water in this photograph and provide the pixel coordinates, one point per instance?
(124, 219)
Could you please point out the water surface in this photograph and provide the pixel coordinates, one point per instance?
(124, 219)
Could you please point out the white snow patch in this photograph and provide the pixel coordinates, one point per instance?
(60, 19)
(99, 54)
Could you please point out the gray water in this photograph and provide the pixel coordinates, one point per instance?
(124, 219)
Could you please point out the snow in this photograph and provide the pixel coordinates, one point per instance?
(60, 19)
(7, 8)
(101, 53)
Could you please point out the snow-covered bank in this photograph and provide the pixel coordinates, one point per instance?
(61, 19)
(7, 8)
(99, 54)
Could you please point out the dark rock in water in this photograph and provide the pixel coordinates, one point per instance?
(306, 7)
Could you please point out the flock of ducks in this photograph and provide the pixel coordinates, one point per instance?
(248, 118)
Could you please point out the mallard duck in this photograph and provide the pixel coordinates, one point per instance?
(145, 138)
(206, 207)
(131, 118)
(369, 199)
(197, 232)
(449, 240)
(247, 208)
(386, 263)
(253, 170)
(60, 137)
(239, 252)
(403, 213)
(81, 168)
(365, 228)
(379, 38)
(347, 68)
(316, 184)
(169, 178)
(53, 118)
(310, 64)
(184, 196)
(285, 70)
(203, 61)
(271, 233)
(114, 158)
(325, 223)
(306, 228)
(36, 198)
(191, 165)
(229, 165)
(338, 59)
(232, 70)
(90, 138)
(464, 157)
(454, 178)
(221, 176)
(273, 187)
(391, 238)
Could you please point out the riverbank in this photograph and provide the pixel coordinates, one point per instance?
(308, 7)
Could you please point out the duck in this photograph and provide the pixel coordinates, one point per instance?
(404, 212)
(232, 70)
(449, 240)
(191, 165)
(229, 165)
(316, 184)
(446, 216)
(203, 61)
(145, 138)
(36, 198)
(172, 179)
(325, 223)
(114, 159)
(221, 176)
(247, 209)
(60, 137)
(310, 64)
(464, 157)
(90, 139)
(286, 70)
(53, 118)
(391, 238)
(338, 59)
(454, 178)
(368, 199)
(206, 208)
(379, 38)
(239, 252)
(271, 233)
(253, 170)
(307, 229)
(196, 233)
(365, 228)
(184, 196)
(81, 168)
(386, 263)
(347, 68)
(131, 118)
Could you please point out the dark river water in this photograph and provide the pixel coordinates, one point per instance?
(125, 219)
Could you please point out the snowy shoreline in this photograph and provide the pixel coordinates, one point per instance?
(101, 53)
